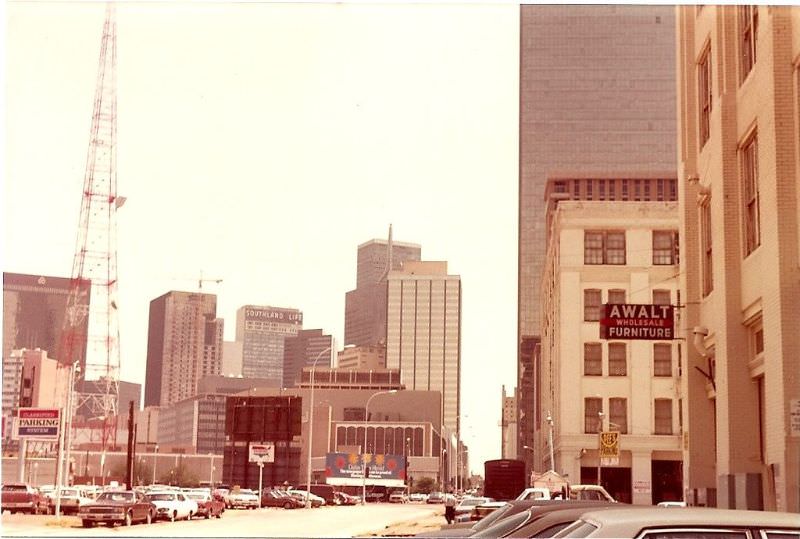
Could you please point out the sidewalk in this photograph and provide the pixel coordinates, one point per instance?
(412, 527)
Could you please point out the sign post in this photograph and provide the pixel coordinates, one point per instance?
(261, 453)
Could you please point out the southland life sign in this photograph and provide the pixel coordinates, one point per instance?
(637, 322)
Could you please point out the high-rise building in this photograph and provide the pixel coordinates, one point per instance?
(620, 248)
(597, 94)
(231, 358)
(424, 333)
(33, 313)
(365, 307)
(302, 350)
(184, 343)
(508, 425)
(262, 331)
(738, 147)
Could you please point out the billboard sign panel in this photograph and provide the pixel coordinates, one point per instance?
(273, 314)
(346, 469)
(37, 423)
(262, 453)
(637, 322)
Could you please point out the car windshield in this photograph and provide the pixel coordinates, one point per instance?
(15, 488)
(115, 497)
(491, 518)
(163, 497)
(246, 491)
(69, 492)
(472, 501)
(197, 496)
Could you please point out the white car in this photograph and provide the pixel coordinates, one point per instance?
(418, 497)
(72, 499)
(172, 505)
(243, 497)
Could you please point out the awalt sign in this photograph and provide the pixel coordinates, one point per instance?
(637, 321)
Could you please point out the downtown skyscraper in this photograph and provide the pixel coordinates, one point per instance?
(423, 338)
(184, 343)
(262, 330)
(365, 307)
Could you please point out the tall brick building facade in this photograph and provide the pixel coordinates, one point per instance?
(738, 151)
(597, 96)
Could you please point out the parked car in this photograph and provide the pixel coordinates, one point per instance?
(316, 501)
(417, 497)
(436, 497)
(22, 498)
(375, 497)
(244, 498)
(277, 498)
(665, 522)
(398, 497)
(72, 499)
(172, 505)
(207, 505)
(342, 498)
(121, 506)
(479, 512)
(464, 508)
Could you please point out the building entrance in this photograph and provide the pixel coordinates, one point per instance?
(616, 480)
(667, 480)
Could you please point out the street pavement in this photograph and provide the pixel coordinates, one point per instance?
(346, 521)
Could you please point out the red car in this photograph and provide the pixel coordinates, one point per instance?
(207, 505)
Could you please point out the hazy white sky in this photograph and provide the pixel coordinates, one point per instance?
(261, 143)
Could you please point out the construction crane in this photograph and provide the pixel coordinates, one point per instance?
(201, 280)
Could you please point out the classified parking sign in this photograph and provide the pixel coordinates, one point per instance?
(38, 423)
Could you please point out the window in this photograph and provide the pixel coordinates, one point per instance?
(592, 359)
(665, 247)
(592, 247)
(647, 190)
(602, 189)
(612, 189)
(637, 189)
(704, 94)
(576, 190)
(673, 190)
(604, 247)
(618, 414)
(589, 193)
(616, 296)
(660, 190)
(591, 305)
(662, 359)
(748, 31)
(749, 163)
(661, 297)
(663, 412)
(625, 190)
(591, 420)
(617, 359)
(707, 247)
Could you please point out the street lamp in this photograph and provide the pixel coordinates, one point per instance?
(155, 463)
(311, 428)
(599, 446)
(549, 420)
(407, 453)
(364, 447)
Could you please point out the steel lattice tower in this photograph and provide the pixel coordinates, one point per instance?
(94, 346)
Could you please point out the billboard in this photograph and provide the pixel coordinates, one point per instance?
(261, 453)
(637, 322)
(273, 314)
(346, 469)
(37, 423)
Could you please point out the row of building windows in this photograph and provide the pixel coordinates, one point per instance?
(618, 189)
(618, 359)
(609, 247)
(593, 421)
(593, 301)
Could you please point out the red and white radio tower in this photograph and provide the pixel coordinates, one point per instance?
(92, 347)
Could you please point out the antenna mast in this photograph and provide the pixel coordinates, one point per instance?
(92, 345)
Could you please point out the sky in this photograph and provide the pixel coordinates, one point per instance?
(261, 143)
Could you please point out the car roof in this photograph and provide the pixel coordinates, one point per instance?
(551, 516)
(630, 520)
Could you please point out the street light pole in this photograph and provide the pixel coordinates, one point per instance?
(407, 453)
(549, 420)
(599, 446)
(155, 463)
(364, 447)
(311, 428)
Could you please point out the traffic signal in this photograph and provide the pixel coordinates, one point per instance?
(366, 471)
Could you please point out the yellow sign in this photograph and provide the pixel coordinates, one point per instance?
(609, 444)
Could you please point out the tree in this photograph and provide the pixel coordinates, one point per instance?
(425, 485)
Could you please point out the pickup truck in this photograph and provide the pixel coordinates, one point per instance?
(22, 498)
